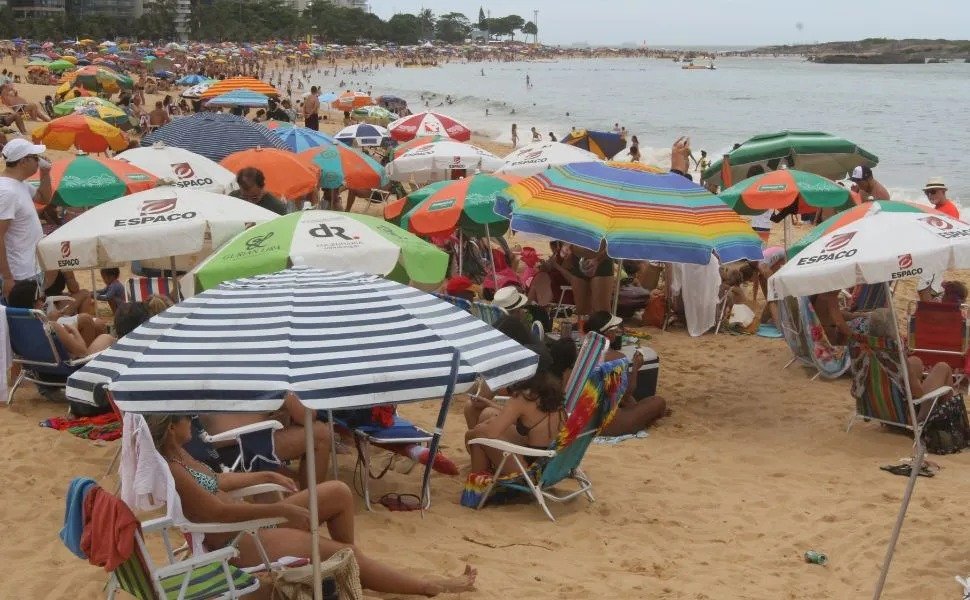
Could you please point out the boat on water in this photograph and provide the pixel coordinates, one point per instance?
(692, 66)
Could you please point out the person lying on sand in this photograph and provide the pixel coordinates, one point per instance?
(205, 499)
(10, 97)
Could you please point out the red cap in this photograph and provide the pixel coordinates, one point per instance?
(458, 284)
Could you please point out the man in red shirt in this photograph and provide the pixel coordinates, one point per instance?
(935, 191)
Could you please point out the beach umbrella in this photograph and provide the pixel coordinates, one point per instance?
(538, 156)
(425, 124)
(274, 124)
(363, 134)
(812, 151)
(156, 224)
(97, 78)
(603, 144)
(214, 135)
(336, 340)
(197, 90)
(183, 168)
(235, 83)
(324, 239)
(74, 92)
(878, 243)
(94, 107)
(287, 175)
(641, 216)
(193, 79)
(327, 97)
(374, 114)
(60, 65)
(467, 204)
(440, 161)
(80, 131)
(299, 139)
(240, 97)
(351, 100)
(776, 190)
(84, 180)
(637, 166)
(403, 147)
(341, 166)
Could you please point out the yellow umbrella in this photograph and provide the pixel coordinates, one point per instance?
(70, 59)
(82, 132)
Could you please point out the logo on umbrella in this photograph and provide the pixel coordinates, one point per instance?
(905, 261)
(839, 240)
(183, 170)
(431, 127)
(937, 222)
(531, 155)
(327, 231)
(65, 249)
(155, 207)
(773, 187)
(258, 241)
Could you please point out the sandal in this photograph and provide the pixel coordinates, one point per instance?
(401, 502)
(905, 469)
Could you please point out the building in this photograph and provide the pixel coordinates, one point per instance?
(128, 9)
(36, 9)
(358, 4)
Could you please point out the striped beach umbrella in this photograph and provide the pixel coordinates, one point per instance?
(374, 114)
(97, 78)
(779, 189)
(287, 175)
(637, 166)
(298, 139)
(323, 239)
(94, 107)
(240, 97)
(184, 168)
(235, 83)
(425, 124)
(440, 208)
(273, 124)
(214, 135)
(362, 134)
(641, 216)
(341, 166)
(89, 180)
(603, 144)
(193, 79)
(80, 131)
(198, 89)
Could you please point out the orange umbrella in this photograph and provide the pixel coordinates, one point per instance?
(235, 83)
(351, 100)
(84, 132)
(287, 175)
(726, 179)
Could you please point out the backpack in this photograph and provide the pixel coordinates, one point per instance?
(947, 429)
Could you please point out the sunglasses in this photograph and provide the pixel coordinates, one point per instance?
(931, 192)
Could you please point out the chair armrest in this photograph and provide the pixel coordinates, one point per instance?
(84, 359)
(158, 524)
(511, 448)
(197, 560)
(940, 391)
(231, 435)
(260, 488)
(241, 526)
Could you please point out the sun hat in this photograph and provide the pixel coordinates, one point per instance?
(936, 183)
(861, 172)
(509, 298)
(19, 148)
(594, 324)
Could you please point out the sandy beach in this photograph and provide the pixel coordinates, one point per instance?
(752, 468)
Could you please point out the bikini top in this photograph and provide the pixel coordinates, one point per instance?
(208, 482)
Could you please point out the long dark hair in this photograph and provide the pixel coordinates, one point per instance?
(544, 388)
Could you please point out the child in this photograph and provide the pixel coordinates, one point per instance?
(114, 292)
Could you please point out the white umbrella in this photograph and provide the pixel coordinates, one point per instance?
(185, 169)
(435, 162)
(197, 90)
(536, 157)
(176, 224)
(878, 242)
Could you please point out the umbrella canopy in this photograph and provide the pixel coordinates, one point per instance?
(776, 190)
(97, 78)
(439, 160)
(287, 175)
(324, 239)
(403, 147)
(235, 83)
(74, 92)
(198, 89)
(603, 144)
(812, 151)
(341, 166)
(94, 107)
(274, 124)
(363, 134)
(641, 216)
(637, 166)
(193, 79)
(351, 100)
(440, 208)
(156, 224)
(89, 180)
(80, 131)
(214, 135)
(425, 124)
(339, 340)
(327, 97)
(240, 97)
(538, 156)
(374, 114)
(186, 169)
(60, 65)
(299, 139)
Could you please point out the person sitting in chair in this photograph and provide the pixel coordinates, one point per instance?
(10, 97)
(27, 294)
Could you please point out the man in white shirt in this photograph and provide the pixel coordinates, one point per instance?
(20, 229)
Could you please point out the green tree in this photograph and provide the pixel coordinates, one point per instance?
(531, 29)
(157, 22)
(453, 28)
(482, 24)
(427, 19)
(506, 25)
(403, 29)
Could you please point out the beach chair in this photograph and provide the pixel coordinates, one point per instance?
(562, 308)
(805, 336)
(939, 332)
(484, 311)
(142, 288)
(590, 354)
(539, 471)
(40, 354)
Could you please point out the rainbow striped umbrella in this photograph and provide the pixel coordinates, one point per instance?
(342, 166)
(641, 216)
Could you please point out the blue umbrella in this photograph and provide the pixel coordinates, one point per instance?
(299, 139)
(364, 134)
(214, 135)
(604, 144)
(193, 79)
(240, 97)
(327, 97)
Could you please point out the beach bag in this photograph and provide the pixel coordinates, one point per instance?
(947, 429)
(656, 310)
(297, 583)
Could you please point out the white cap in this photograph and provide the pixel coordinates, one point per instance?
(19, 148)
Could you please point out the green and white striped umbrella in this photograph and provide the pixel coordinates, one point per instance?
(324, 239)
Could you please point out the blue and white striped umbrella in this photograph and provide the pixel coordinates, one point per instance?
(240, 97)
(364, 134)
(338, 340)
(214, 135)
(299, 139)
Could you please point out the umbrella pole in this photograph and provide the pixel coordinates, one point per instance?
(915, 465)
(491, 257)
(309, 416)
(175, 281)
(616, 292)
(461, 249)
(436, 438)
(333, 446)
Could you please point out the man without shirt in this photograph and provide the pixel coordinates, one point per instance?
(311, 106)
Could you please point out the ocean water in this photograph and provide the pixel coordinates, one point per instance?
(914, 117)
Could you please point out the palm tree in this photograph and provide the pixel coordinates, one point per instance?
(427, 20)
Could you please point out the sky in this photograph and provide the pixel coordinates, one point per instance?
(714, 22)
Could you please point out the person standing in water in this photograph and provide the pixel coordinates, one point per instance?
(515, 135)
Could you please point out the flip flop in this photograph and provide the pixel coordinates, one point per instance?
(905, 469)
(401, 502)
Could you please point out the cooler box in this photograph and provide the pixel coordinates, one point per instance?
(649, 372)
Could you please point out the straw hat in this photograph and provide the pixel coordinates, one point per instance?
(935, 183)
(509, 298)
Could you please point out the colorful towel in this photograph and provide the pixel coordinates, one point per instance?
(105, 427)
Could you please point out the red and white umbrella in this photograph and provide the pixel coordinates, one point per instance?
(439, 161)
(428, 124)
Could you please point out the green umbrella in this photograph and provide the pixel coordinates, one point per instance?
(813, 151)
(776, 190)
(60, 65)
(324, 239)
(440, 208)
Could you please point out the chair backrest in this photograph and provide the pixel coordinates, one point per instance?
(938, 332)
(869, 296)
(877, 381)
(488, 313)
(33, 343)
(830, 360)
(141, 288)
(133, 576)
(597, 404)
(590, 355)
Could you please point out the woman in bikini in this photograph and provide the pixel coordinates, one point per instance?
(205, 498)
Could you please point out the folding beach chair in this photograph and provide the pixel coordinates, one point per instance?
(939, 332)
(539, 471)
(805, 336)
(40, 354)
(141, 288)
(484, 311)
(563, 308)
